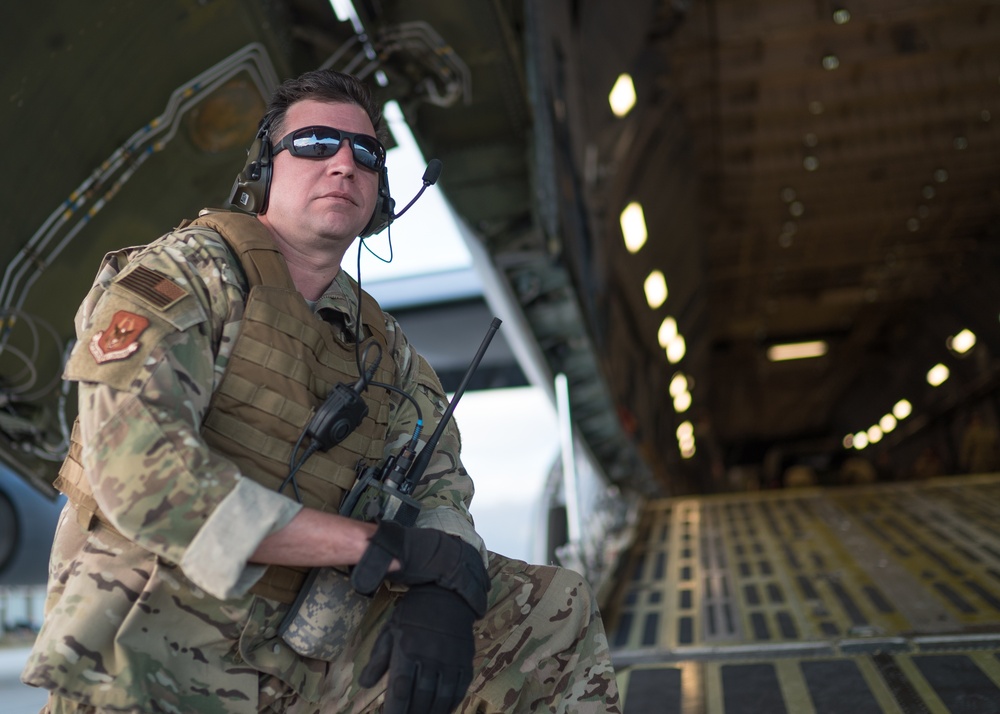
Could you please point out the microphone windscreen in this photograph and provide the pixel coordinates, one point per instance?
(432, 172)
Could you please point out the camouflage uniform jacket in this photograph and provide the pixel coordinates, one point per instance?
(158, 609)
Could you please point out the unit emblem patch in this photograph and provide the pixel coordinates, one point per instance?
(120, 339)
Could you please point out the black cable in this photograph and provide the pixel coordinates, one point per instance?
(294, 467)
(367, 374)
(357, 318)
(376, 255)
(357, 333)
(362, 384)
(405, 395)
(420, 417)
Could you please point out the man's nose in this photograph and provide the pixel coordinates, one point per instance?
(342, 160)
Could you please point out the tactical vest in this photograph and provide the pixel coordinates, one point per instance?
(284, 362)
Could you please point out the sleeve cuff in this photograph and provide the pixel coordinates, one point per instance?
(449, 521)
(217, 558)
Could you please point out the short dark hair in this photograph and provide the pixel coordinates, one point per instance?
(325, 85)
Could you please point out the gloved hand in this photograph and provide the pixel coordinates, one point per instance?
(427, 648)
(426, 556)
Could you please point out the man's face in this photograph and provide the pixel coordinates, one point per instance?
(317, 200)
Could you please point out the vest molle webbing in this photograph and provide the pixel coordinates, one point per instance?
(284, 362)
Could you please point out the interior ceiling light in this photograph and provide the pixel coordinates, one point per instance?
(937, 375)
(874, 434)
(682, 402)
(685, 439)
(962, 342)
(888, 423)
(797, 350)
(831, 62)
(676, 349)
(810, 163)
(841, 16)
(860, 440)
(667, 331)
(633, 223)
(678, 384)
(622, 96)
(902, 409)
(940, 175)
(655, 288)
(848, 441)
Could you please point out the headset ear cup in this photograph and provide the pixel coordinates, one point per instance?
(384, 207)
(253, 184)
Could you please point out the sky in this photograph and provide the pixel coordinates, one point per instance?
(509, 436)
(425, 239)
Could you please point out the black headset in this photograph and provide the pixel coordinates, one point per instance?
(252, 187)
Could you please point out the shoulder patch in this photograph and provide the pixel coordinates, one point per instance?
(152, 286)
(120, 339)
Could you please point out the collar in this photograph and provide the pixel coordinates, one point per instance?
(340, 302)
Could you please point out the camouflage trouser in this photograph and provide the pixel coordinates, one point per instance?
(275, 697)
(541, 648)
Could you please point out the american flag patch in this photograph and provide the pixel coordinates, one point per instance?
(153, 287)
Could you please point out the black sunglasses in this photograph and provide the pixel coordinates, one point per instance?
(317, 142)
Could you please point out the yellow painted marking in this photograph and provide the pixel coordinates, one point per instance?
(880, 690)
(793, 687)
(923, 687)
(692, 688)
(986, 660)
(714, 700)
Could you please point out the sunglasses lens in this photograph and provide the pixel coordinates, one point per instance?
(320, 141)
(312, 142)
(367, 152)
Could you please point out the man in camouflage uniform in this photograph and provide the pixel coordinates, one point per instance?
(201, 357)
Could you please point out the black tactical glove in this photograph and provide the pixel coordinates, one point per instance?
(427, 556)
(427, 648)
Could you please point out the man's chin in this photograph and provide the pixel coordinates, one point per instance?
(341, 231)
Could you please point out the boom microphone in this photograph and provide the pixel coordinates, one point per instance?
(431, 174)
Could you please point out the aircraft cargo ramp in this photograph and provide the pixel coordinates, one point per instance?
(856, 600)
